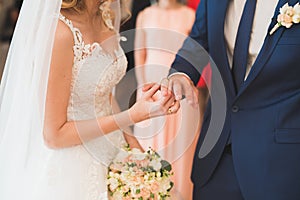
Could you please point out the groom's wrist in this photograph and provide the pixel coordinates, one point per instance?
(179, 73)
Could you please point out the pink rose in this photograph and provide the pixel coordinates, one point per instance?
(144, 163)
(125, 189)
(126, 198)
(285, 20)
(145, 193)
(155, 187)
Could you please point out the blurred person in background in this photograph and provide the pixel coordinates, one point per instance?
(160, 32)
(127, 99)
(9, 16)
(4, 5)
(1, 21)
(1, 12)
(10, 21)
(193, 3)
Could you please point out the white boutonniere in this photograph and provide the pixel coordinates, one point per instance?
(288, 16)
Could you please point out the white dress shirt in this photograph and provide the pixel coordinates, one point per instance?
(264, 12)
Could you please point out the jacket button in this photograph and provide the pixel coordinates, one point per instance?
(235, 109)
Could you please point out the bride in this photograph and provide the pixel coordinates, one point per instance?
(58, 128)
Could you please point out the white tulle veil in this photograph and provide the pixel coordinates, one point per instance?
(23, 155)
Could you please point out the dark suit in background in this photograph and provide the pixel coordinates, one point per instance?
(124, 94)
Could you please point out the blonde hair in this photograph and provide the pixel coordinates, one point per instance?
(77, 5)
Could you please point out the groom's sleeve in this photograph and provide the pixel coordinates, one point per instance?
(192, 57)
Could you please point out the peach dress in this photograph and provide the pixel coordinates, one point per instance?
(160, 33)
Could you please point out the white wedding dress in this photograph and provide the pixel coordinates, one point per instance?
(79, 172)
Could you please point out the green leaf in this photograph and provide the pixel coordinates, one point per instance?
(166, 165)
(172, 185)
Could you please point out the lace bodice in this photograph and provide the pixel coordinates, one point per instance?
(95, 72)
(79, 172)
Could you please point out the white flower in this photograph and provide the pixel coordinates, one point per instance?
(285, 9)
(296, 17)
(124, 176)
(136, 151)
(297, 8)
(137, 154)
(164, 185)
(113, 183)
(288, 16)
(158, 174)
(156, 164)
(114, 175)
(118, 195)
(146, 177)
(121, 156)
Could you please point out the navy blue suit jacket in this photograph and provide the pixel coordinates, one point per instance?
(263, 117)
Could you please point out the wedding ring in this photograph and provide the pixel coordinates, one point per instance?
(170, 111)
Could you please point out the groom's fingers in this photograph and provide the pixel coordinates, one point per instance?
(165, 99)
(189, 93)
(196, 96)
(170, 86)
(177, 89)
(164, 84)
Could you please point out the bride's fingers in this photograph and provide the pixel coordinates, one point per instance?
(164, 99)
(169, 102)
(148, 94)
(147, 86)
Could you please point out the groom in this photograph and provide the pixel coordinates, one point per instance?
(257, 152)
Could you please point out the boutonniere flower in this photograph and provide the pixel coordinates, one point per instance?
(288, 16)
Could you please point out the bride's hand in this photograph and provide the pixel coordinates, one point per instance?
(146, 107)
(133, 141)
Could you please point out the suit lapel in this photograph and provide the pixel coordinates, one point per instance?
(267, 48)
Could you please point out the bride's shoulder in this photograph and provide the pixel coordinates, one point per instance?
(63, 33)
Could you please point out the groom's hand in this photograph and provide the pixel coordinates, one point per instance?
(182, 87)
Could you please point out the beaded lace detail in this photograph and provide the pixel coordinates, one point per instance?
(95, 73)
(80, 49)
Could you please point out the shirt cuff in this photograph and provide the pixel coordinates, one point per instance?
(179, 73)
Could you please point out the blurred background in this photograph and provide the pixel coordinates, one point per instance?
(9, 12)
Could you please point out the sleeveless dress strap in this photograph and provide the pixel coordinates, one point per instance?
(78, 40)
(81, 50)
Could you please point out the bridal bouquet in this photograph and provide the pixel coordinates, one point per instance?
(139, 176)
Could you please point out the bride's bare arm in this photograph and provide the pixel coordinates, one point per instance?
(127, 131)
(58, 131)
